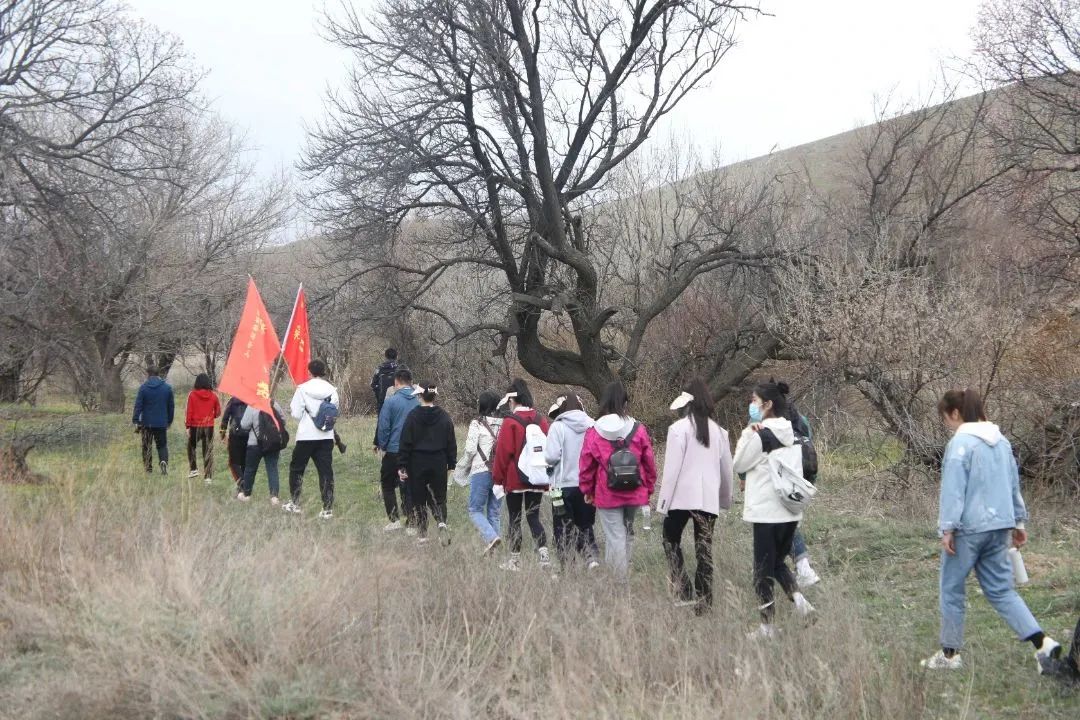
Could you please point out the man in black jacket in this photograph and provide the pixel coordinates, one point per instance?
(381, 382)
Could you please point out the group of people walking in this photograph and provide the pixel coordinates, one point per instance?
(605, 469)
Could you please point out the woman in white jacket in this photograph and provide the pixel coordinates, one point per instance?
(696, 486)
(573, 517)
(774, 525)
(474, 469)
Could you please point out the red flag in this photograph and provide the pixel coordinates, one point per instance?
(297, 350)
(254, 349)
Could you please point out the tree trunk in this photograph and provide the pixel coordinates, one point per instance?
(10, 381)
(112, 386)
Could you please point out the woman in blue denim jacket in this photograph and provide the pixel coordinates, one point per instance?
(982, 514)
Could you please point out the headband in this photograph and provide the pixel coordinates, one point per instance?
(506, 399)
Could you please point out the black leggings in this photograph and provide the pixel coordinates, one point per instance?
(772, 544)
(530, 501)
(674, 524)
(427, 487)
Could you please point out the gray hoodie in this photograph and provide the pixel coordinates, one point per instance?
(563, 448)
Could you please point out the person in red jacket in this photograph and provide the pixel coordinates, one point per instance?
(520, 494)
(203, 409)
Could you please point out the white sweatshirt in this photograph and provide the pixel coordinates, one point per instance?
(305, 405)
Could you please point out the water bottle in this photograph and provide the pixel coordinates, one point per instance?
(646, 517)
(558, 506)
(1020, 576)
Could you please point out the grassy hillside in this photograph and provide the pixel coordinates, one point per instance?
(128, 595)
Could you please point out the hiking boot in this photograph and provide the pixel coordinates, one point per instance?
(193, 474)
(326, 514)
(1050, 650)
(492, 545)
(444, 535)
(938, 661)
(513, 563)
(391, 527)
(164, 467)
(545, 557)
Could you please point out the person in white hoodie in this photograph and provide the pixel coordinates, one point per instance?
(311, 442)
(573, 517)
(774, 525)
(981, 516)
(696, 486)
(474, 469)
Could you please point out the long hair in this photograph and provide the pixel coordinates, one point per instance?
(614, 400)
(487, 403)
(701, 408)
(524, 398)
(428, 397)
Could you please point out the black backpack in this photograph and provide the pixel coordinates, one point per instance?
(623, 469)
(386, 380)
(271, 437)
(769, 442)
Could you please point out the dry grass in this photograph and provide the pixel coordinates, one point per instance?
(128, 597)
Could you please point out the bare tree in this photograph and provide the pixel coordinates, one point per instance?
(495, 125)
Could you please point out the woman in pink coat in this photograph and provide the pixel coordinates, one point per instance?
(617, 474)
(697, 485)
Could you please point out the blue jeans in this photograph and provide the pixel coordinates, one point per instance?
(484, 507)
(987, 554)
(798, 547)
(251, 466)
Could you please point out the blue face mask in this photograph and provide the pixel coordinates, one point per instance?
(755, 413)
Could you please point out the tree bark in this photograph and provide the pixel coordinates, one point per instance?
(10, 377)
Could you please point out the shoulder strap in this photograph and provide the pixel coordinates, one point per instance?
(769, 441)
(520, 421)
(625, 442)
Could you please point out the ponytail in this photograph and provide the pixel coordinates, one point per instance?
(967, 402)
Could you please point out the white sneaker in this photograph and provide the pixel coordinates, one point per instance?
(763, 632)
(421, 541)
(1050, 650)
(391, 527)
(545, 557)
(938, 661)
(492, 545)
(207, 480)
(193, 474)
(805, 575)
(593, 565)
(513, 563)
(242, 497)
(291, 507)
(274, 501)
(685, 603)
(411, 532)
(326, 514)
(444, 535)
(802, 605)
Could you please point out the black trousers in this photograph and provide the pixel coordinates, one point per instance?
(530, 503)
(391, 486)
(427, 488)
(704, 523)
(322, 452)
(237, 455)
(772, 545)
(150, 438)
(205, 436)
(573, 529)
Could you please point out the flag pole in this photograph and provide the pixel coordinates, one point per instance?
(275, 376)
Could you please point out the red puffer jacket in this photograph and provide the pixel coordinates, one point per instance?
(504, 470)
(203, 407)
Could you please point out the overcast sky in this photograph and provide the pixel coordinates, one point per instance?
(812, 70)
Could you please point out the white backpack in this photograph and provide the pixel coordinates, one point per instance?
(532, 467)
(785, 470)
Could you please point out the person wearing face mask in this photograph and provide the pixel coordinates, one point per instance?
(981, 516)
(774, 525)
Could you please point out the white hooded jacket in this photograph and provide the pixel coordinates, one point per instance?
(305, 406)
(761, 504)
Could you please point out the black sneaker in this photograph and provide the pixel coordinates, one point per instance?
(164, 467)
